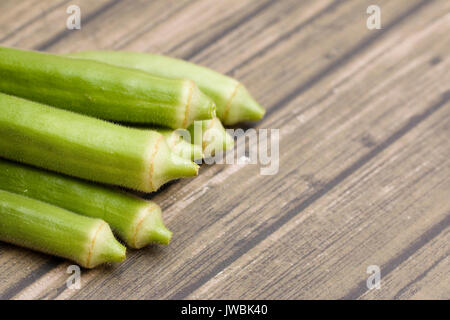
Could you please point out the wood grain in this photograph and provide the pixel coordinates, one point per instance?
(17, 16)
(378, 216)
(364, 119)
(47, 26)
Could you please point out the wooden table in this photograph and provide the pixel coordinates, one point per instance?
(364, 176)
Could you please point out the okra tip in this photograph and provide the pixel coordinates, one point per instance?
(243, 107)
(179, 167)
(215, 138)
(162, 235)
(169, 166)
(104, 247)
(116, 252)
(150, 228)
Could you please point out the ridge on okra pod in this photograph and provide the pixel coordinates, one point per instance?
(136, 221)
(86, 147)
(50, 229)
(233, 102)
(102, 90)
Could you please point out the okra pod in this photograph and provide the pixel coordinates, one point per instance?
(136, 221)
(86, 147)
(102, 90)
(43, 227)
(233, 102)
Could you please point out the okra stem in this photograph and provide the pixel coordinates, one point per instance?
(102, 90)
(136, 221)
(234, 103)
(43, 227)
(86, 147)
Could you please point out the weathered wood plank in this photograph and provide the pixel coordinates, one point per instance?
(228, 17)
(20, 268)
(380, 215)
(408, 48)
(424, 275)
(232, 221)
(309, 53)
(296, 60)
(127, 20)
(262, 87)
(258, 37)
(432, 283)
(46, 23)
(157, 28)
(15, 16)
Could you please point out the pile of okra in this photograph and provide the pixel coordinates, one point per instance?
(74, 128)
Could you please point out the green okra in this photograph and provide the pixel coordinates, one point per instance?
(233, 102)
(43, 227)
(136, 221)
(86, 147)
(179, 146)
(201, 138)
(102, 90)
(211, 136)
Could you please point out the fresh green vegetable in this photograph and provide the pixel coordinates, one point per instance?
(202, 138)
(211, 136)
(234, 103)
(40, 226)
(86, 147)
(102, 90)
(179, 146)
(136, 221)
